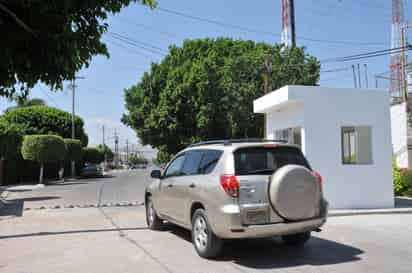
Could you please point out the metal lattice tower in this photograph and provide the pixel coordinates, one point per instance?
(288, 23)
(396, 77)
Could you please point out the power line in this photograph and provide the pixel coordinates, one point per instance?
(336, 69)
(367, 55)
(147, 27)
(132, 49)
(251, 30)
(49, 97)
(137, 44)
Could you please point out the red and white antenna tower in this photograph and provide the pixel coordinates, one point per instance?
(396, 78)
(288, 37)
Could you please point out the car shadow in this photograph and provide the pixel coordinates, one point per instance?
(271, 253)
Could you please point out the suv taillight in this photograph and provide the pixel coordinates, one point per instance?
(230, 185)
(318, 177)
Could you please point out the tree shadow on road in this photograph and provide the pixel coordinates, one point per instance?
(78, 231)
(403, 202)
(35, 198)
(11, 208)
(270, 253)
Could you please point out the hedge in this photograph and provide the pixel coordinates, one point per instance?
(73, 149)
(43, 148)
(92, 155)
(10, 140)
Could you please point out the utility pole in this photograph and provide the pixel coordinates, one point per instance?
(366, 75)
(266, 75)
(127, 151)
(116, 149)
(104, 147)
(359, 77)
(73, 164)
(73, 87)
(354, 76)
(404, 80)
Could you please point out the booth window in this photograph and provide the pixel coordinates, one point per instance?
(356, 145)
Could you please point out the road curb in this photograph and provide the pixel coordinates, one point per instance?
(3, 196)
(369, 212)
(83, 206)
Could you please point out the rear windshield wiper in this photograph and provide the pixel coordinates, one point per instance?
(260, 171)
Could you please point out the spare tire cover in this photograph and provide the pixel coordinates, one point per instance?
(294, 193)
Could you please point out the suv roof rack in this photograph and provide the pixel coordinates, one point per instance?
(228, 142)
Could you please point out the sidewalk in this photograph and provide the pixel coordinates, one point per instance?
(402, 205)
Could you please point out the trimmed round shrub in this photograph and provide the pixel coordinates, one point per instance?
(73, 149)
(92, 155)
(43, 148)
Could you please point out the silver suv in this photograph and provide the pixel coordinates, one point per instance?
(237, 189)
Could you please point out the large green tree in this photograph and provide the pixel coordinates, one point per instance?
(48, 41)
(42, 120)
(205, 90)
(24, 102)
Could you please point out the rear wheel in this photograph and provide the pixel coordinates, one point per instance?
(153, 221)
(296, 240)
(206, 243)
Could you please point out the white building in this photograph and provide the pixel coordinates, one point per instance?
(344, 133)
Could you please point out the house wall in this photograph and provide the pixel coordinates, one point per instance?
(400, 134)
(287, 117)
(322, 113)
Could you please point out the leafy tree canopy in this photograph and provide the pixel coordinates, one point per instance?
(205, 90)
(46, 120)
(73, 149)
(43, 148)
(106, 151)
(48, 41)
(136, 159)
(25, 102)
(92, 155)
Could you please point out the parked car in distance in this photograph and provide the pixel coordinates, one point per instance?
(138, 166)
(92, 170)
(237, 189)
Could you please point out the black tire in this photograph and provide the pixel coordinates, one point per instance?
(211, 246)
(296, 240)
(154, 222)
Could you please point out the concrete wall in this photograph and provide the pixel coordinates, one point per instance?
(322, 113)
(400, 134)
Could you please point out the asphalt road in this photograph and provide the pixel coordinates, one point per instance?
(125, 186)
(116, 239)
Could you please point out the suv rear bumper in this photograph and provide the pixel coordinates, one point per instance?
(229, 225)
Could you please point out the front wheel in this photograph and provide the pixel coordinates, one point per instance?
(296, 240)
(153, 221)
(206, 243)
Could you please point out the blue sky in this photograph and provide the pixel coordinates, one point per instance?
(100, 95)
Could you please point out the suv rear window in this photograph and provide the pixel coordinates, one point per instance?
(263, 160)
(209, 161)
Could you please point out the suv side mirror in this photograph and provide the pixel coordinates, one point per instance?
(156, 174)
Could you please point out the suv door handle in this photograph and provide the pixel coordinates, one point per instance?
(192, 185)
(170, 185)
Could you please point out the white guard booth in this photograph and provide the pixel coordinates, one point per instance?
(344, 133)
